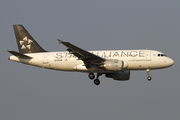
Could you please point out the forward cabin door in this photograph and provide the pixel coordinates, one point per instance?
(148, 55)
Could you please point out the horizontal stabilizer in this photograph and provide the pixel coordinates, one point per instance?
(19, 55)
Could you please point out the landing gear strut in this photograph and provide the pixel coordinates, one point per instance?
(92, 76)
(148, 73)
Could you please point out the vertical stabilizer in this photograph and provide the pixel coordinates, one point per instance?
(25, 42)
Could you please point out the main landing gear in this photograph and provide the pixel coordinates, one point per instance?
(92, 76)
(148, 73)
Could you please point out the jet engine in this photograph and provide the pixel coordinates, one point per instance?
(115, 65)
(120, 76)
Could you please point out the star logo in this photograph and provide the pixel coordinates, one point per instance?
(25, 43)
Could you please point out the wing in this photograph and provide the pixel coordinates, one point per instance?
(87, 57)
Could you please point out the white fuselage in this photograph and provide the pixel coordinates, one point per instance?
(63, 61)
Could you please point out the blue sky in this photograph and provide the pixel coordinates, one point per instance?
(28, 92)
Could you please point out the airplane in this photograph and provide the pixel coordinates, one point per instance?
(115, 64)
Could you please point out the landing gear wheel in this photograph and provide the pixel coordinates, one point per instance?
(96, 82)
(91, 76)
(148, 73)
(149, 78)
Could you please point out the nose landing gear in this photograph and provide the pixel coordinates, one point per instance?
(149, 78)
(92, 76)
(148, 73)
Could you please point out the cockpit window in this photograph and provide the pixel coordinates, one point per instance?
(160, 55)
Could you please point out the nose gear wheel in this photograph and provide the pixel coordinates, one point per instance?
(148, 73)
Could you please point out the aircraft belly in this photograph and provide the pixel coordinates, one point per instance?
(70, 65)
(59, 65)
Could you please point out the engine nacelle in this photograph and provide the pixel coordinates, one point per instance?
(120, 76)
(114, 65)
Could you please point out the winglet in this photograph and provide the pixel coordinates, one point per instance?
(60, 41)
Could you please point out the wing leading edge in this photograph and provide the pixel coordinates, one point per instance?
(88, 58)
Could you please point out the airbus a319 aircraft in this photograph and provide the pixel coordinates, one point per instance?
(115, 64)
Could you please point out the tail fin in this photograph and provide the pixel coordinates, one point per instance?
(25, 41)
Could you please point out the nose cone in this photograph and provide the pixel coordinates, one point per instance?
(170, 62)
